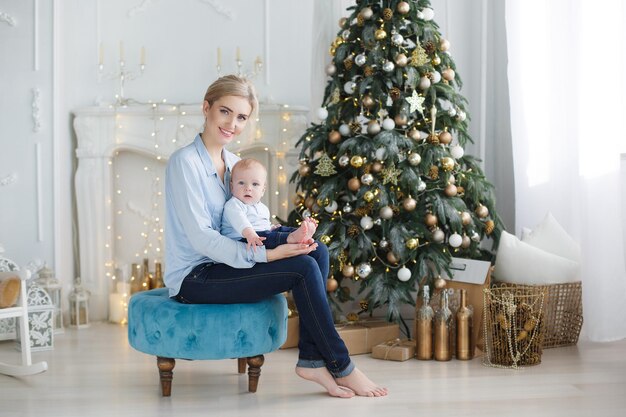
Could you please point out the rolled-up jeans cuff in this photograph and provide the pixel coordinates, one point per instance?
(347, 371)
(310, 363)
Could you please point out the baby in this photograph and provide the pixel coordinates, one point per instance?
(246, 217)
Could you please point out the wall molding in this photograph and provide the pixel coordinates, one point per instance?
(217, 6)
(35, 35)
(8, 19)
(36, 109)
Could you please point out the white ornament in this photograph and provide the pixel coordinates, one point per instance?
(424, 83)
(386, 212)
(416, 102)
(452, 179)
(421, 186)
(461, 116)
(389, 124)
(360, 60)
(345, 130)
(404, 274)
(380, 153)
(475, 237)
(349, 87)
(397, 39)
(457, 151)
(367, 223)
(322, 113)
(388, 66)
(331, 207)
(415, 159)
(331, 69)
(363, 269)
(455, 240)
(436, 76)
(428, 13)
(373, 127)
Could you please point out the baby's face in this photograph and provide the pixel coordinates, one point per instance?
(248, 184)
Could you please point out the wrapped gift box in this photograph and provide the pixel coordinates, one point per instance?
(361, 336)
(293, 333)
(394, 350)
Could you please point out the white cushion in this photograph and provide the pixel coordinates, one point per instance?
(550, 236)
(518, 262)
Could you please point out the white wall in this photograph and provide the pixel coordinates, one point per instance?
(180, 38)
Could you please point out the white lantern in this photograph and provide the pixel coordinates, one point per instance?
(51, 285)
(79, 306)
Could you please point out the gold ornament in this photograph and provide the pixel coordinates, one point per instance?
(355, 127)
(325, 166)
(394, 92)
(331, 284)
(392, 258)
(466, 242)
(304, 170)
(377, 166)
(334, 137)
(489, 226)
(430, 220)
(364, 304)
(298, 200)
(447, 163)
(391, 174)
(466, 218)
(445, 137)
(440, 283)
(414, 134)
(433, 139)
(352, 317)
(335, 96)
(419, 57)
(450, 190)
(436, 60)
(325, 239)
(380, 34)
(482, 211)
(360, 20)
(308, 202)
(409, 203)
(354, 184)
(348, 271)
(429, 47)
(348, 63)
(342, 22)
(401, 119)
(353, 230)
(401, 60)
(387, 13)
(403, 7)
(356, 161)
(368, 196)
(368, 71)
(448, 74)
(412, 243)
(460, 190)
(368, 101)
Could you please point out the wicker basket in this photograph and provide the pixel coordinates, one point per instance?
(562, 312)
(513, 326)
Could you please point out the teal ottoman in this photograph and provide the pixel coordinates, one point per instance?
(160, 326)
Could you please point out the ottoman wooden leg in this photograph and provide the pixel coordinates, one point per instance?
(241, 365)
(254, 371)
(165, 366)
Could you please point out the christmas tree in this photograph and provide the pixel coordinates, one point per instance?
(384, 172)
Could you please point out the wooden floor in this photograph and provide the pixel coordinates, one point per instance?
(93, 372)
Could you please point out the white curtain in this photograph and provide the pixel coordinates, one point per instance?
(566, 74)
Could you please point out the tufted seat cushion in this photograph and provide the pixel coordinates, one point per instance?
(160, 326)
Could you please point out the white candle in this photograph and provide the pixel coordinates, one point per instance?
(142, 60)
(101, 54)
(121, 51)
(238, 54)
(433, 115)
(219, 56)
(116, 308)
(123, 288)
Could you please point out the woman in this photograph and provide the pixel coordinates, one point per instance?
(202, 266)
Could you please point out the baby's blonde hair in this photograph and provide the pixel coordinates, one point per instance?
(247, 163)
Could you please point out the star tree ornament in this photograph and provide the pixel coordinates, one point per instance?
(391, 174)
(416, 103)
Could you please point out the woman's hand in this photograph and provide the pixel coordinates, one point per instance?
(289, 250)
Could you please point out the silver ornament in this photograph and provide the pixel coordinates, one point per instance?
(421, 186)
(475, 237)
(360, 60)
(347, 208)
(415, 159)
(331, 69)
(363, 269)
(366, 222)
(388, 66)
(373, 128)
(367, 179)
(344, 129)
(386, 212)
(331, 207)
(344, 160)
(345, 34)
(439, 236)
(383, 244)
(349, 87)
(377, 222)
(306, 213)
(397, 39)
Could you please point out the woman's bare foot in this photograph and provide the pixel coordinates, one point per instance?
(325, 379)
(302, 234)
(361, 384)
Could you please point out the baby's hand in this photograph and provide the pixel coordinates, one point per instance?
(252, 238)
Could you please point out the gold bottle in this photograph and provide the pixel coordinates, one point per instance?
(424, 328)
(443, 350)
(464, 327)
(158, 275)
(146, 282)
(135, 279)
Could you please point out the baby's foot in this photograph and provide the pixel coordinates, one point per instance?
(361, 384)
(325, 379)
(301, 234)
(312, 226)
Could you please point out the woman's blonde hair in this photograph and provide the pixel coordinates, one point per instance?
(233, 85)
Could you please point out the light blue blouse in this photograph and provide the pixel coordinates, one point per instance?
(194, 201)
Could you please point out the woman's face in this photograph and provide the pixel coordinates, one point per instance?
(225, 119)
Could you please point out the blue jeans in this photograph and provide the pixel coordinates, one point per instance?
(305, 275)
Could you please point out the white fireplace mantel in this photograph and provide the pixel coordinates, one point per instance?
(156, 130)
